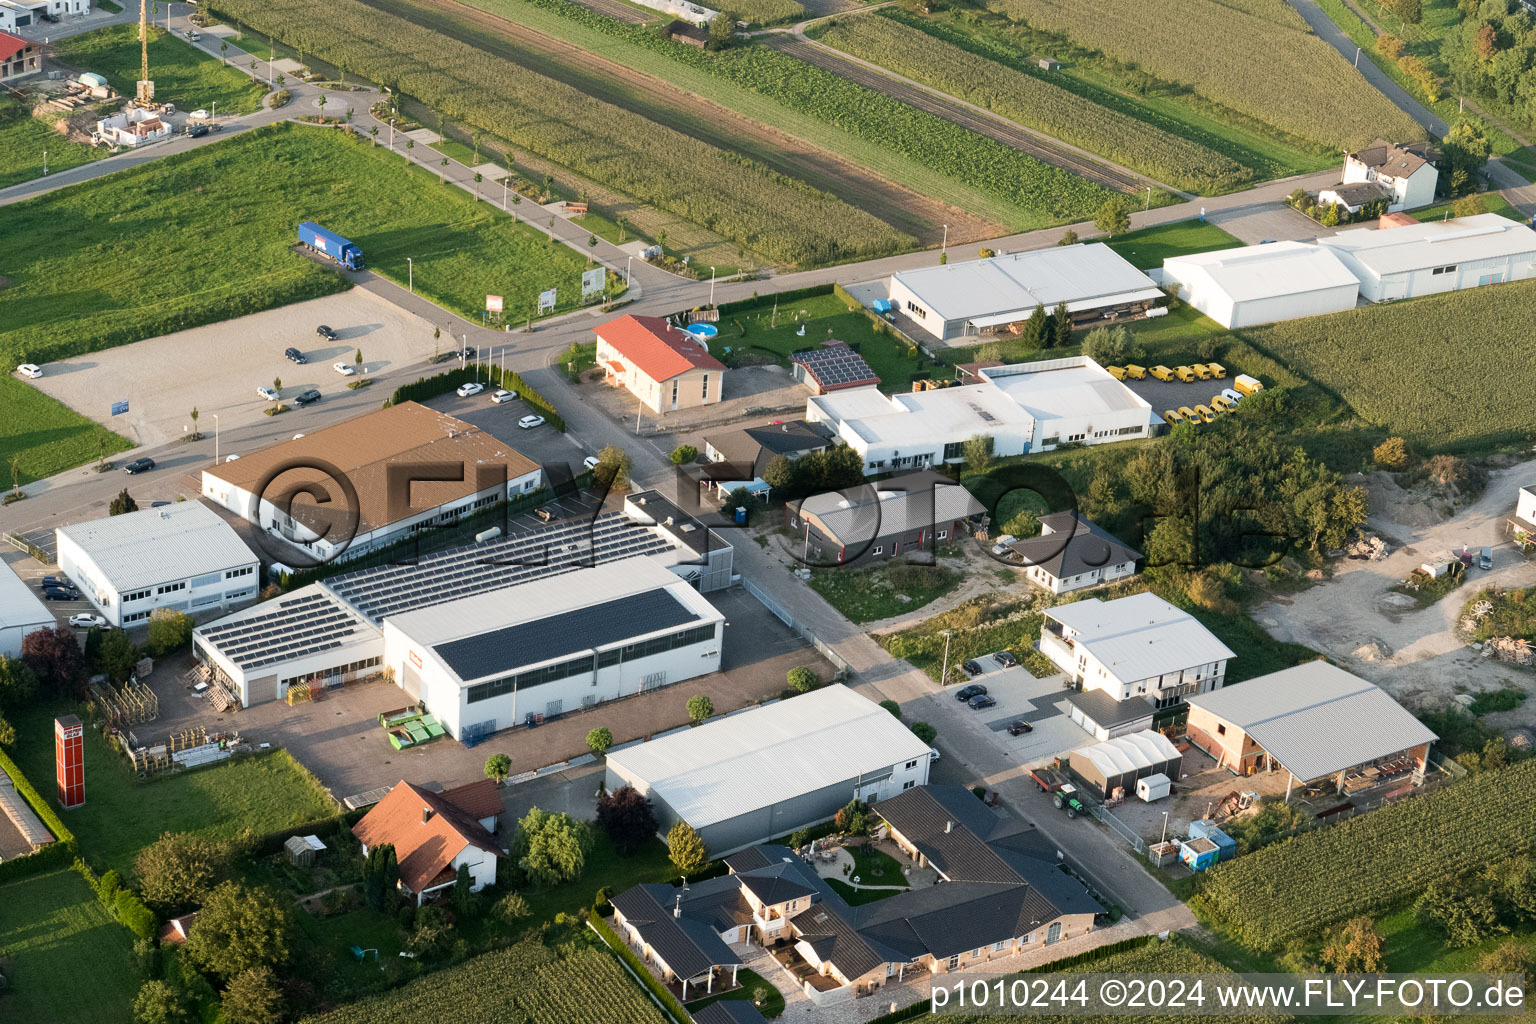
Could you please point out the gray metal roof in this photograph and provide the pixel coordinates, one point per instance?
(1023, 280)
(1072, 546)
(153, 545)
(19, 606)
(296, 625)
(915, 501)
(1433, 243)
(1101, 708)
(1140, 636)
(1316, 719)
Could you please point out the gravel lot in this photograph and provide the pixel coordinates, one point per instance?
(218, 368)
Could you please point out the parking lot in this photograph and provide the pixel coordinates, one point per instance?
(543, 444)
(1022, 697)
(1165, 394)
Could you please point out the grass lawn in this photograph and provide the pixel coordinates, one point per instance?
(24, 139)
(878, 592)
(208, 235)
(1494, 203)
(183, 74)
(1147, 248)
(66, 959)
(262, 793)
(605, 866)
(49, 436)
(763, 330)
(750, 982)
(858, 897)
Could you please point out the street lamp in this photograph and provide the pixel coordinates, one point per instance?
(1148, 206)
(711, 286)
(944, 245)
(215, 439)
(944, 672)
(45, 163)
(627, 267)
(410, 278)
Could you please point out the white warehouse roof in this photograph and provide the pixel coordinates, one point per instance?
(1057, 388)
(738, 764)
(1140, 636)
(1316, 719)
(1266, 271)
(1085, 276)
(19, 606)
(1434, 243)
(1132, 752)
(173, 542)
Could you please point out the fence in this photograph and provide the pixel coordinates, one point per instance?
(782, 614)
(21, 543)
(1126, 832)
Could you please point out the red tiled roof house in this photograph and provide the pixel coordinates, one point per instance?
(434, 833)
(665, 367)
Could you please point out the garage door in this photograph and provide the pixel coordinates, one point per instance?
(261, 690)
(410, 681)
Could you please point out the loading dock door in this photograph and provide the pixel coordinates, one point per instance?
(410, 681)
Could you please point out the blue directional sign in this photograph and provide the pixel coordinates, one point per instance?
(118, 408)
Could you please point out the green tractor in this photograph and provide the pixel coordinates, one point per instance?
(1066, 797)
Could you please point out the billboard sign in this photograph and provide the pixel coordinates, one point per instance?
(546, 300)
(493, 303)
(593, 281)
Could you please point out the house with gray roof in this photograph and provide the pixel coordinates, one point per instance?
(1071, 553)
(901, 515)
(1313, 721)
(1001, 891)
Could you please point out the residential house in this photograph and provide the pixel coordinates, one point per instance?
(738, 458)
(667, 368)
(37, 15)
(435, 834)
(18, 57)
(134, 126)
(900, 515)
(1405, 174)
(1072, 553)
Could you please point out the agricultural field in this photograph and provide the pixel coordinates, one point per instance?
(178, 268)
(1291, 889)
(525, 984)
(48, 436)
(24, 139)
(65, 958)
(1441, 398)
(121, 815)
(1036, 103)
(780, 217)
(183, 74)
(891, 137)
(767, 12)
(1257, 58)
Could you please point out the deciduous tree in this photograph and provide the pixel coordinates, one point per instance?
(1355, 947)
(626, 817)
(599, 740)
(177, 871)
(1112, 218)
(700, 708)
(686, 848)
(252, 997)
(551, 848)
(240, 928)
(53, 655)
(498, 767)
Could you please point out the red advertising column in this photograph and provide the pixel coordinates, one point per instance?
(69, 756)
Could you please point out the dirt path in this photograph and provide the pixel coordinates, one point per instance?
(665, 103)
(1424, 661)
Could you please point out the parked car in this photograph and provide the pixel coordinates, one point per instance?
(503, 396)
(297, 436)
(55, 581)
(293, 355)
(1005, 659)
(982, 701)
(55, 594)
(1232, 395)
(67, 589)
(85, 620)
(31, 370)
(139, 466)
(1001, 547)
(305, 397)
(529, 422)
(935, 752)
(590, 462)
(1019, 728)
(346, 369)
(472, 388)
(971, 666)
(193, 35)
(967, 692)
(325, 332)
(159, 504)
(196, 131)
(266, 392)
(1485, 558)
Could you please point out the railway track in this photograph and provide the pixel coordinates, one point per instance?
(997, 129)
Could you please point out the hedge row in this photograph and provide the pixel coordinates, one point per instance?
(656, 988)
(57, 854)
(808, 292)
(430, 387)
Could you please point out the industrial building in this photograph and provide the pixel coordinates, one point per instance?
(180, 556)
(1116, 764)
(897, 516)
(745, 778)
(1436, 256)
(664, 366)
(954, 301)
(1314, 721)
(1071, 553)
(408, 467)
(557, 644)
(1022, 407)
(21, 612)
(1261, 284)
(331, 633)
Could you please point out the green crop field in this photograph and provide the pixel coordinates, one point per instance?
(780, 217)
(205, 236)
(183, 74)
(24, 139)
(525, 984)
(767, 12)
(49, 436)
(121, 815)
(1250, 55)
(64, 956)
(1438, 370)
(1036, 103)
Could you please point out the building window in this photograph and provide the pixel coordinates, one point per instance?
(878, 549)
(1444, 270)
(954, 450)
(231, 574)
(705, 393)
(135, 617)
(943, 535)
(169, 587)
(998, 947)
(911, 765)
(908, 785)
(1221, 730)
(674, 392)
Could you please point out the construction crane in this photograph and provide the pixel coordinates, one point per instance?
(146, 91)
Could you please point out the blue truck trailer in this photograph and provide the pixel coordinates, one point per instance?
(331, 245)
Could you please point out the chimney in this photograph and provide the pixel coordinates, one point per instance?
(677, 910)
(426, 814)
(949, 827)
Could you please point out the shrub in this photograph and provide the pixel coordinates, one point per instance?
(925, 732)
(599, 740)
(683, 454)
(686, 848)
(626, 817)
(801, 679)
(134, 915)
(700, 708)
(892, 707)
(512, 908)
(1391, 453)
(279, 99)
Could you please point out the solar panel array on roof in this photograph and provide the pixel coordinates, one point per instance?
(834, 365)
(284, 630)
(475, 569)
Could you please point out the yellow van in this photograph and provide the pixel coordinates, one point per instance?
(1247, 385)
(1206, 416)
(1217, 370)
(1186, 413)
(1221, 404)
(1184, 373)
(1135, 372)
(1171, 416)
(1200, 371)
(1116, 372)
(1161, 373)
